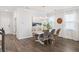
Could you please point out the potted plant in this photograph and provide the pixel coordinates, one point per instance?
(46, 26)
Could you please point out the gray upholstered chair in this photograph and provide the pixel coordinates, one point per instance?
(52, 31)
(51, 38)
(57, 35)
(44, 36)
(47, 37)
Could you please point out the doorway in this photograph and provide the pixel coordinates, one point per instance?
(6, 19)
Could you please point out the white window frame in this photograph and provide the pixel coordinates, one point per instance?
(70, 21)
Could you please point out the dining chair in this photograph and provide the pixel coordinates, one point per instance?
(56, 36)
(51, 37)
(58, 31)
(44, 37)
(52, 31)
(48, 37)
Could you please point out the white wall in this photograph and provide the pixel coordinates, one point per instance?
(23, 24)
(24, 19)
(20, 23)
(6, 22)
(64, 32)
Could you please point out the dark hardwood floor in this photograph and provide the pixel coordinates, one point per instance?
(29, 45)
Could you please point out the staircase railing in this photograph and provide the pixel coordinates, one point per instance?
(2, 33)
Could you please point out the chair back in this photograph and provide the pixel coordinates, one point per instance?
(46, 33)
(58, 31)
(53, 31)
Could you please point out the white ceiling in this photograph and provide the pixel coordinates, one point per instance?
(49, 9)
(35, 8)
(8, 8)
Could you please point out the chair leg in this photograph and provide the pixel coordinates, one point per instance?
(46, 42)
(49, 41)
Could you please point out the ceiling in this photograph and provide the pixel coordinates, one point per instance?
(46, 9)
(49, 9)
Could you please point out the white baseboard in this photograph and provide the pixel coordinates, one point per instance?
(24, 37)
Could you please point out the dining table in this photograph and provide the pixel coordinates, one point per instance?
(38, 37)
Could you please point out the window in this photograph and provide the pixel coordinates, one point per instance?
(51, 21)
(70, 21)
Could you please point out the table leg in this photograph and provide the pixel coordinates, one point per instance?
(39, 40)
